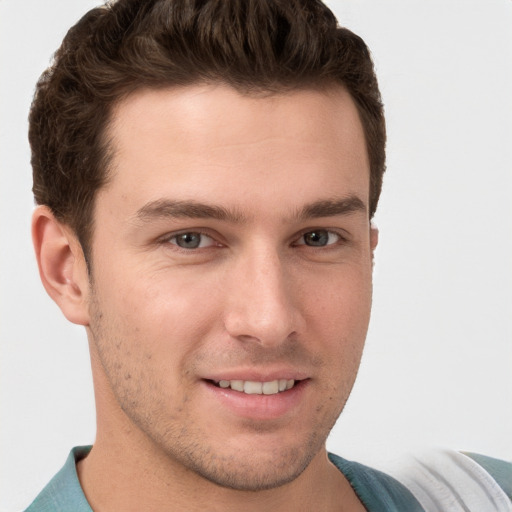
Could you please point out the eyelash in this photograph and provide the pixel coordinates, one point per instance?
(329, 232)
(298, 242)
(168, 239)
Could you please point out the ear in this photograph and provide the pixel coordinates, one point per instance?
(62, 266)
(374, 236)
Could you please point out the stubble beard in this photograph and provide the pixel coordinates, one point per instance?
(184, 444)
(255, 472)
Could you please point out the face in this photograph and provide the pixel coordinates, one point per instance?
(231, 277)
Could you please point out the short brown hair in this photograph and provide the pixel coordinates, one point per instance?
(251, 45)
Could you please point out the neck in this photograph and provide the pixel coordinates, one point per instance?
(114, 478)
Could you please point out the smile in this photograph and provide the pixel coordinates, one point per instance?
(257, 388)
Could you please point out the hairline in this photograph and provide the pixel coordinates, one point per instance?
(107, 138)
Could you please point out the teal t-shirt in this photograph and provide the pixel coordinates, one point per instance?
(64, 493)
(377, 491)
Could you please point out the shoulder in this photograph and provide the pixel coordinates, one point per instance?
(433, 481)
(378, 491)
(452, 481)
(63, 492)
(499, 470)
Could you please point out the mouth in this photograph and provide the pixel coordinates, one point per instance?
(259, 400)
(250, 387)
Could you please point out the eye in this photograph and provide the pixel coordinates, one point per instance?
(319, 238)
(191, 240)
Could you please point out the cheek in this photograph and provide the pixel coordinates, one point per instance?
(157, 310)
(337, 318)
(339, 303)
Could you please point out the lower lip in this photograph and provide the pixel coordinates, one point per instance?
(259, 407)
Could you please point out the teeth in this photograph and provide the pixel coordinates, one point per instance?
(253, 388)
(258, 388)
(237, 385)
(270, 388)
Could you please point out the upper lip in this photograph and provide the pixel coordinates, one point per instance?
(257, 375)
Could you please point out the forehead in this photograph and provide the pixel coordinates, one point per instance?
(200, 110)
(209, 140)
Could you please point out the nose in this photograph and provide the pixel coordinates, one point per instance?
(261, 306)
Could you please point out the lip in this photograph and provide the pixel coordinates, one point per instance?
(258, 407)
(255, 375)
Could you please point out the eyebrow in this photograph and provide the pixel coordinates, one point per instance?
(332, 208)
(168, 208)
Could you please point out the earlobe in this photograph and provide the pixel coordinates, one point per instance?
(62, 266)
(374, 236)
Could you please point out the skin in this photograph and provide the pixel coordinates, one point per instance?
(275, 287)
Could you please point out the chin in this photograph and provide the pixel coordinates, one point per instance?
(250, 468)
(252, 473)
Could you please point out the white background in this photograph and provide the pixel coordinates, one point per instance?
(437, 366)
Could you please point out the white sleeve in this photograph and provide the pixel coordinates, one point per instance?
(448, 481)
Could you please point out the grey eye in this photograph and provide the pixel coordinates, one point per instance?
(319, 238)
(189, 240)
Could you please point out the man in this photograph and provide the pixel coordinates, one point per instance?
(206, 177)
